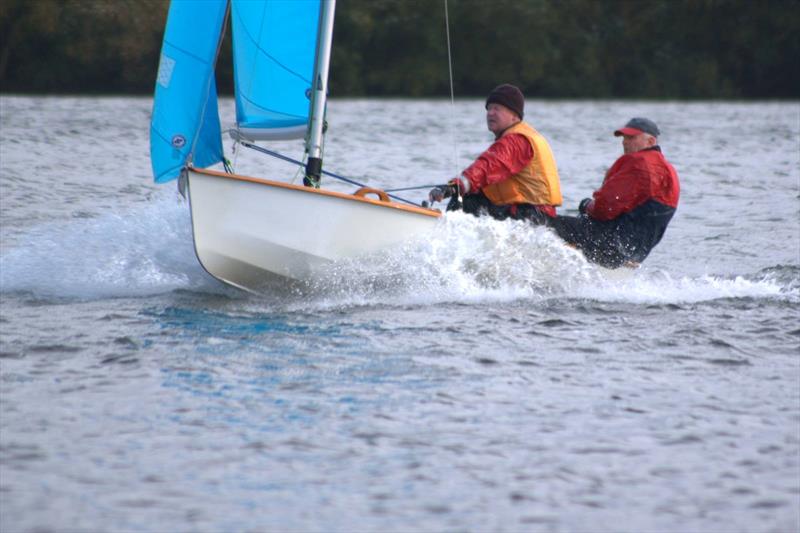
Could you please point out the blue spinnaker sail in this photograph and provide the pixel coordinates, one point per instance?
(274, 44)
(185, 122)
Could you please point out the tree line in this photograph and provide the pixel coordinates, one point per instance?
(550, 48)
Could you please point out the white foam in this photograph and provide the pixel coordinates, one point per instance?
(145, 250)
(658, 287)
(474, 260)
(148, 250)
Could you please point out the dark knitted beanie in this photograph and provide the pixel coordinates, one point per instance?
(509, 96)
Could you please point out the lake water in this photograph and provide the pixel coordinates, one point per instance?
(485, 378)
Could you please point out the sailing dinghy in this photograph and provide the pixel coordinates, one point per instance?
(253, 232)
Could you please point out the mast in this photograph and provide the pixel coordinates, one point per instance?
(319, 93)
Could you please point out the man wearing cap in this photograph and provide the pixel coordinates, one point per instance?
(627, 216)
(516, 177)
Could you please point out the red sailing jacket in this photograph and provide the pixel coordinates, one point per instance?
(507, 156)
(633, 180)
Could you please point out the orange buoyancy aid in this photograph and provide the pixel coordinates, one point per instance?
(537, 183)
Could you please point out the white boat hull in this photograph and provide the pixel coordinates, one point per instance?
(254, 233)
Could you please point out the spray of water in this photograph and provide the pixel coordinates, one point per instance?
(144, 251)
(471, 260)
(148, 250)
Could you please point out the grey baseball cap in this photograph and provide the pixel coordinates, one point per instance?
(638, 125)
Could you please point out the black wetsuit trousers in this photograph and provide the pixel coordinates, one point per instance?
(478, 204)
(628, 238)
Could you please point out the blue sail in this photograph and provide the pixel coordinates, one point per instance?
(185, 122)
(274, 44)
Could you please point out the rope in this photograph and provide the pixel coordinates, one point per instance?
(412, 188)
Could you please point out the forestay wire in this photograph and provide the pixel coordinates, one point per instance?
(452, 92)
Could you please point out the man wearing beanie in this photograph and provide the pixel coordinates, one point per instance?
(516, 177)
(628, 214)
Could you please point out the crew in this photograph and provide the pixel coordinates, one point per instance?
(516, 177)
(628, 215)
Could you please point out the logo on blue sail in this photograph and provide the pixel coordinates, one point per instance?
(165, 68)
(178, 141)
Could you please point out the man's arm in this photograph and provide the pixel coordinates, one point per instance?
(504, 158)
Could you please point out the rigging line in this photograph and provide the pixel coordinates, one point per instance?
(301, 169)
(325, 172)
(235, 143)
(411, 188)
(452, 93)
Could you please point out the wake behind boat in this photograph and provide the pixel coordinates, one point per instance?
(252, 232)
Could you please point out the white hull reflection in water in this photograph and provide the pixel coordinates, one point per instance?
(482, 378)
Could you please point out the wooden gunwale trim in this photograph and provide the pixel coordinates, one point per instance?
(344, 196)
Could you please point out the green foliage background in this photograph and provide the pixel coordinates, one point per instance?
(550, 48)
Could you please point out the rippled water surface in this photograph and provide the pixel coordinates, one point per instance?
(483, 378)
